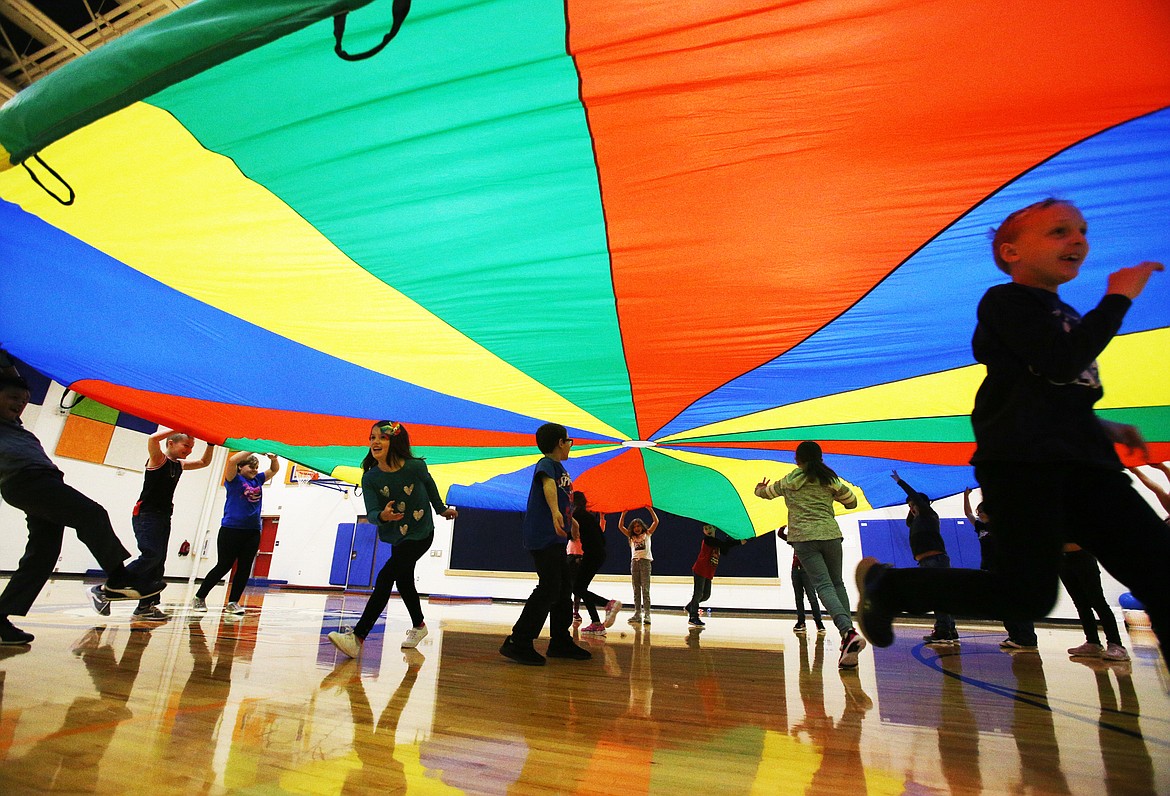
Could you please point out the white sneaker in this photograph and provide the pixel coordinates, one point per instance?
(234, 608)
(1115, 652)
(347, 642)
(198, 604)
(611, 611)
(414, 636)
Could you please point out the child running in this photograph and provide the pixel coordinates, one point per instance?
(711, 548)
(545, 529)
(641, 559)
(814, 534)
(399, 494)
(30, 482)
(1046, 462)
(591, 536)
(1021, 632)
(1082, 580)
(239, 531)
(152, 516)
(802, 586)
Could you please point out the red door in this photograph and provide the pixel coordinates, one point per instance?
(267, 544)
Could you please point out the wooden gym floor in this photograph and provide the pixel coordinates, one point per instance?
(263, 704)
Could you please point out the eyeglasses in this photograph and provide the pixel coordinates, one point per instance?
(567, 439)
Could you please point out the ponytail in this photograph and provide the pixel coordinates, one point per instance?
(809, 457)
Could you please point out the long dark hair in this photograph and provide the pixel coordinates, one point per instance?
(809, 457)
(399, 443)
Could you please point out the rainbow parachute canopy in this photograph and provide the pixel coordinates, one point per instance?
(695, 234)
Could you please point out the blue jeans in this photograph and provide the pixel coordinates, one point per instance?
(152, 530)
(944, 624)
(821, 559)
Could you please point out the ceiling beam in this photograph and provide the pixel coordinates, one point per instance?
(37, 24)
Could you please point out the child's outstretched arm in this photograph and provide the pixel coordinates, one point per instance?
(769, 491)
(967, 505)
(1129, 436)
(231, 467)
(653, 521)
(1160, 493)
(910, 491)
(201, 462)
(154, 449)
(273, 466)
(622, 524)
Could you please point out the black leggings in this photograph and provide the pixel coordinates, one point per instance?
(398, 570)
(235, 546)
(1082, 581)
(586, 570)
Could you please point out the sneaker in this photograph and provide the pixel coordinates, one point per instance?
(414, 636)
(132, 591)
(1115, 652)
(635, 620)
(934, 638)
(852, 644)
(1086, 650)
(798, 627)
(347, 641)
(695, 621)
(1011, 645)
(646, 619)
(875, 623)
(576, 618)
(521, 653)
(150, 614)
(101, 603)
(198, 604)
(11, 635)
(234, 608)
(567, 649)
(820, 630)
(594, 628)
(611, 611)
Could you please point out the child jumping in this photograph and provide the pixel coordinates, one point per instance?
(641, 558)
(239, 531)
(1046, 462)
(814, 534)
(399, 494)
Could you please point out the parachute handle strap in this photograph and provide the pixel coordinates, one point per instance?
(401, 9)
(60, 179)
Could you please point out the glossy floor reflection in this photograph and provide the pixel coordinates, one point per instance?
(210, 703)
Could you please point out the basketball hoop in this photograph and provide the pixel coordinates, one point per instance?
(302, 477)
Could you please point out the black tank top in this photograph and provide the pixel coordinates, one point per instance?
(158, 487)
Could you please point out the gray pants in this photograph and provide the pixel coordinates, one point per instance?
(640, 575)
(821, 559)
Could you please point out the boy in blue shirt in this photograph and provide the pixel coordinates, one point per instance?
(1045, 461)
(548, 521)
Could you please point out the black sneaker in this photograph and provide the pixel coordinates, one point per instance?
(875, 623)
(521, 653)
(936, 639)
(101, 603)
(131, 591)
(798, 627)
(851, 644)
(567, 649)
(12, 635)
(695, 621)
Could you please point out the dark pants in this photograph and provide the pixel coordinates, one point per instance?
(944, 624)
(152, 530)
(398, 570)
(586, 570)
(1021, 631)
(802, 586)
(552, 599)
(1033, 510)
(1082, 581)
(50, 505)
(235, 546)
(702, 592)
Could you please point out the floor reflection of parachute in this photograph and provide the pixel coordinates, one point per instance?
(696, 234)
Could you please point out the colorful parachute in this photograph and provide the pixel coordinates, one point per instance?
(694, 233)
